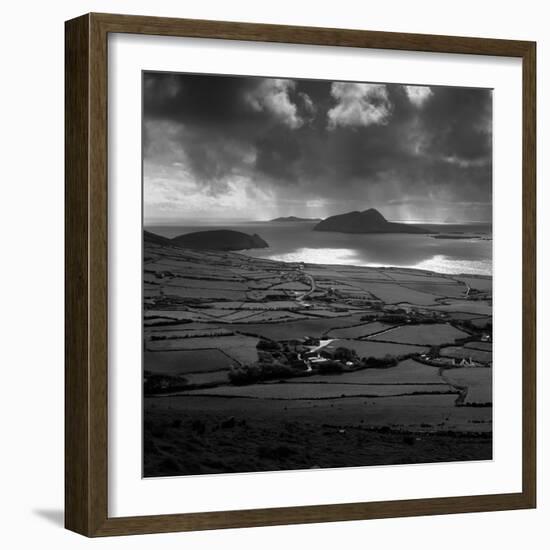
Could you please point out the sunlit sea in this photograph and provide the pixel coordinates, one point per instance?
(297, 242)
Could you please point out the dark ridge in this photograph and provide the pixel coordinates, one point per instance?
(368, 221)
(219, 239)
(153, 238)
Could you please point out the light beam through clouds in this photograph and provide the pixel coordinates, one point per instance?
(268, 147)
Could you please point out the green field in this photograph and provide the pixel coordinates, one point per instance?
(484, 284)
(478, 381)
(184, 362)
(465, 353)
(429, 335)
(239, 347)
(299, 329)
(482, 322)
(297, 390)
(478, 307)
(439, 289)
(391, 293)
(483, 346)
(184, 282)
(406, 372)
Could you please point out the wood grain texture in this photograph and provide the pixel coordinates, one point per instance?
(77, 153)
(86, 258)
(164, 26)
(529, 372)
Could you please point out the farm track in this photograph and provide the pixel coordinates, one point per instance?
(463, 390)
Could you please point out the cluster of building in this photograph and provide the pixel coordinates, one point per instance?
(307, 354)
(456, 362)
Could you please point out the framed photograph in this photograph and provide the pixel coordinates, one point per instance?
(300, 275)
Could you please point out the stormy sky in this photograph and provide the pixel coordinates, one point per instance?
(246, 148)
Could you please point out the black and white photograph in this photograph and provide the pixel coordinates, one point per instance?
(317, 274)
(291, 265)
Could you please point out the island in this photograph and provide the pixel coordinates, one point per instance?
(368, 221)
(218, 239)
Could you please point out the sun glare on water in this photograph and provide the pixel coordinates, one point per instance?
(345, 256)
(438, 263)
(445, 264)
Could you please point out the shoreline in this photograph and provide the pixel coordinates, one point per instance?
(229, 328)
(365, 250)
(313, 265)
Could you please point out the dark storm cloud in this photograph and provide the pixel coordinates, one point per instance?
(459, 122)
(202, 99)
(220, 118)
(322, 140)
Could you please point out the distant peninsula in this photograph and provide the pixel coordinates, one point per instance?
(218, 239)
(368, 221)
(295, 219)
(153, 238)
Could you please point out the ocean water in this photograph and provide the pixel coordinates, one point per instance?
(297, 242)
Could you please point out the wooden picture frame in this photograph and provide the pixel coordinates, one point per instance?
(86, 223)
